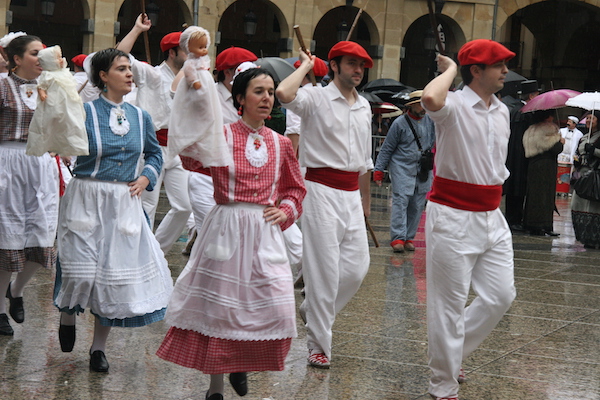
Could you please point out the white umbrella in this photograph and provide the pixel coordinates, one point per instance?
(589, 101)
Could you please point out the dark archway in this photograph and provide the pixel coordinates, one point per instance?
(63, 28)
(568, 55)
(334, 26)
(171, 17)
(271, 27)
(418, 65)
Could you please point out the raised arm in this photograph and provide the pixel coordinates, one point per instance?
(436, 91)
(142, 24)
(286, 91)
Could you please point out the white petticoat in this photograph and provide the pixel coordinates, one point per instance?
(237, 284)
(110, 260)
(28, 198)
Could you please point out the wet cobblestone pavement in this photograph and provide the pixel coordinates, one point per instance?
(546, 347)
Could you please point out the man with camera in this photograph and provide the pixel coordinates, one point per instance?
(407, 154)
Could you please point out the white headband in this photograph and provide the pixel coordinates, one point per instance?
(6, 39)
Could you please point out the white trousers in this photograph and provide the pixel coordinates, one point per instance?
(335, 257)
(175, 179)
(464, 249)
(201, 192)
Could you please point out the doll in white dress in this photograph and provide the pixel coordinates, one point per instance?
(58, 124)
(196, 123)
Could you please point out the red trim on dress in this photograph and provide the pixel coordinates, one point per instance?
(162, 136)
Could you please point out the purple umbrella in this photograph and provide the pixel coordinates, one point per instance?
(550, 100)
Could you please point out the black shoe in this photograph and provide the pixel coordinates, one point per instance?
(16, 310)
(537, 232)
(239, 382)
(5, 328)
(66, 337)
(214, 396)
(552, 233)
(98, 361)
(517, 228)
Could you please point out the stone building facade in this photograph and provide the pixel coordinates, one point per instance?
(556, 40)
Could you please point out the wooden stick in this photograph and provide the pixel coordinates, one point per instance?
(354, 24)
(146, 40)
(372, 232)
(311, 74)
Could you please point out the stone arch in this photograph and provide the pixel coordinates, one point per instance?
(272, 28)
(418, 65)
(168, 21)
(326, 31)
(567, 55)
(62, 28)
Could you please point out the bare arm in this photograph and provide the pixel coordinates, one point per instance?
(142, 24)
(287, 89)
(436, 91)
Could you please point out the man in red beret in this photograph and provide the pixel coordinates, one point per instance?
(336, 149)
(87, 91)
(469, 243)
(154, 96)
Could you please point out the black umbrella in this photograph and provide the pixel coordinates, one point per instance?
(512, 84)
(373, 98)
(403, 96)
(384, 84)
(280, 68)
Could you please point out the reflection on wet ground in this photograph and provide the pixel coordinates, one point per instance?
(546, 347)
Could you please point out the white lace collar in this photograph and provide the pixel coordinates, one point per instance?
(256, 148)
(119, 125)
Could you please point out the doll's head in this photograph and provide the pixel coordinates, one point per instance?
(195, 41)
(51, 58)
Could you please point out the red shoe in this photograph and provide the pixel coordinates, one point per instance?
(409, 245)
(398, 246)
(319, 360)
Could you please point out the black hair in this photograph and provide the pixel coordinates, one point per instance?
(220, 76)
(17, 47)
(465, 72)
(337, 60)
(166, 53)
(241, 82)
(102, 61)
(541, 116)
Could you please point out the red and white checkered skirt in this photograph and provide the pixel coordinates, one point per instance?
(219, 356)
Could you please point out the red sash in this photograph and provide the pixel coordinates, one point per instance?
(162, 136)
(465, 196)
(334, 178)
(194, 165)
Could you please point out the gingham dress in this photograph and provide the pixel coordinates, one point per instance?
(29, 186)
(232, 308)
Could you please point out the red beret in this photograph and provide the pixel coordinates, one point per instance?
(483, 51)
(232, 57)
(320, 69)
(350, 49)
(169, 41)
(78, 60)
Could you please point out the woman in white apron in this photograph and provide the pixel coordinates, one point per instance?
(232, 309)
(29, 185)
(109, 260)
